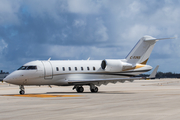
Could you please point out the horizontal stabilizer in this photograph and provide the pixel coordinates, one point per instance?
(153, 74)
(160, 39)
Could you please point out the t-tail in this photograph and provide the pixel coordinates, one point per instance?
(142, 50)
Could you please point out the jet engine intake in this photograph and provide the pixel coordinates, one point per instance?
(110, 65)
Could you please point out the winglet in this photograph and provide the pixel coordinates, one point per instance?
(153, 74)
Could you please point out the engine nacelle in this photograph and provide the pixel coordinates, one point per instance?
(114, 65)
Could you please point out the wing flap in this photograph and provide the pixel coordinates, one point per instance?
(87, 81)
(107, 80)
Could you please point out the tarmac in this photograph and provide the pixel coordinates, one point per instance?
(157, 99)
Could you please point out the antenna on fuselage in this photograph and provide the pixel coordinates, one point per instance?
(49, 59)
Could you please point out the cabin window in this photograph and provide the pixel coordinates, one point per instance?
(87, 68)
(63, 68)
(69, 68)
(75, 68)
(94, 68)
(57, 69)
(82, 68)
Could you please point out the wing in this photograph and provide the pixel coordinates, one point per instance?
(102, 81)
(109, 80)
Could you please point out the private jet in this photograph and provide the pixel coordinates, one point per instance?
(78, 73)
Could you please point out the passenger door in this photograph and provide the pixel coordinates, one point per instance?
(48, 70)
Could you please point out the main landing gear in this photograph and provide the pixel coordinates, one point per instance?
(22, 92)
(93, 88)
(80, 89)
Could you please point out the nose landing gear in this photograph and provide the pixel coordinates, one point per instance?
(22, 92)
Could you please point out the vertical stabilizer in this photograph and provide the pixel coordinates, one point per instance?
(142, 50)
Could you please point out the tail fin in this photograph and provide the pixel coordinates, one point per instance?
(142, 50)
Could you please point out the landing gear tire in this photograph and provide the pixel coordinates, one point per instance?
(95, 90)
(22, 92)
(80, 89)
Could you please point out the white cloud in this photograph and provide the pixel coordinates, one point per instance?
(46, 8)
(175, 47)
(101, 32)
(79, 23)
(83, 52)
(133, 9)
(84, 6)
(8, 12)
(137, 31)
(3, 45)
(83, 24)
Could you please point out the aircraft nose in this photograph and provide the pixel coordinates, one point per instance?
(15, 77)
(10, 78)
(7, 79)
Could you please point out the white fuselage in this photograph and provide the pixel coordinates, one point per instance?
(59, 72)
(86, 72)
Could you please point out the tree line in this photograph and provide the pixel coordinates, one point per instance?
(164, 75)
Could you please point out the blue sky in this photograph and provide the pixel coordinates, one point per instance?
(79, 29)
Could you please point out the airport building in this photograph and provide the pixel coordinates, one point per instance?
(3, 74)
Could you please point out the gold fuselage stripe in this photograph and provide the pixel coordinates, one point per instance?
(145, 61)
(136, 67)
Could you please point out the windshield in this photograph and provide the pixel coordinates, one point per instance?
(28, 68)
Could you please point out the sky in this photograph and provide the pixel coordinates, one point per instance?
(79, 29)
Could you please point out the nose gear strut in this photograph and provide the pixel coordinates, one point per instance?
(22, 92)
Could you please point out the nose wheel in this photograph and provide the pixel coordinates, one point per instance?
(22, 92)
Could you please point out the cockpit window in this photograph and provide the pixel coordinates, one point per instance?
(31, 68)
(28, 68)
(22, 68)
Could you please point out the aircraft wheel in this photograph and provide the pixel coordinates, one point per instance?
(95, 90)
(22, 92)
(80, 89)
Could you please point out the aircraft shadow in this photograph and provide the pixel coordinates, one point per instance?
(75, 93)
(101, 92)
